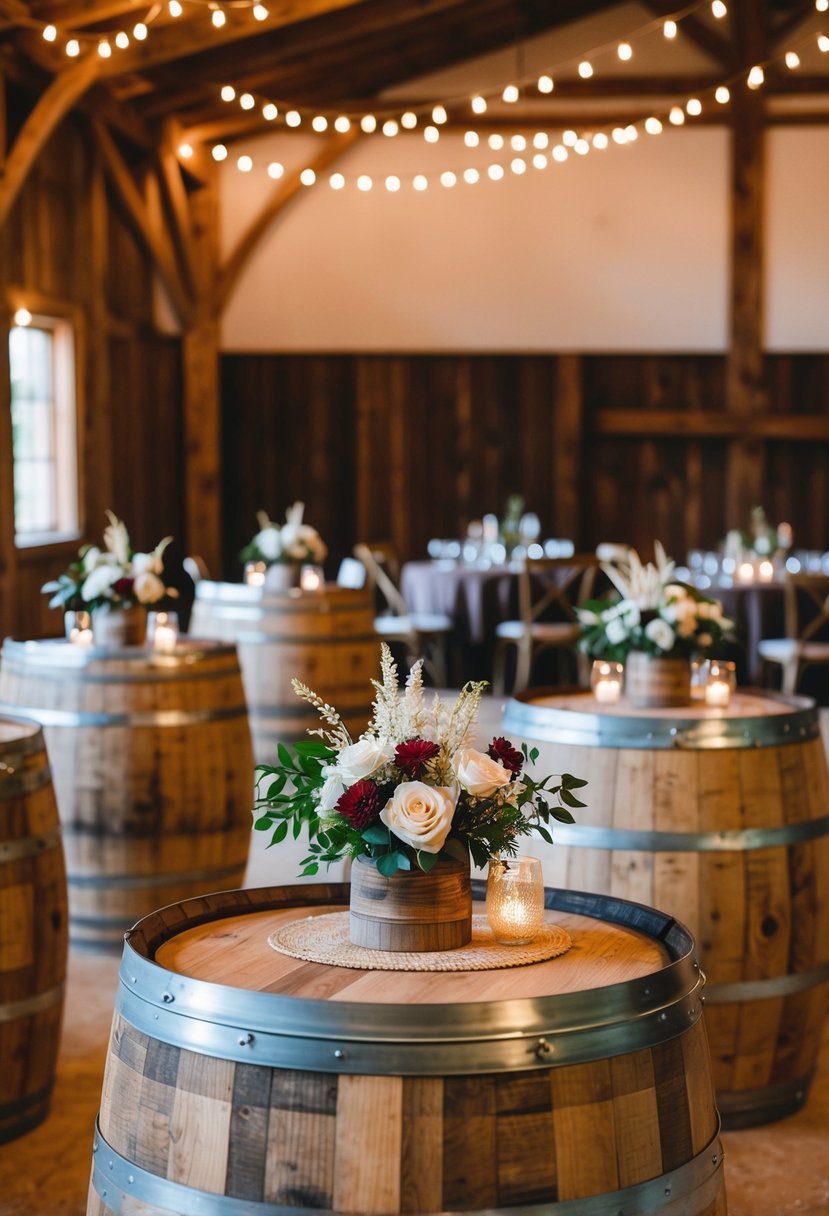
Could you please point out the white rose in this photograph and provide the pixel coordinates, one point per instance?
(420, 815)
(674, 591)
(148, 588)
(363, 758)
(289, 535)
(269, 543)
(331, 791)
(616, 631)
(478, 773)
(100, 580)
(91, 558)
(631, 615)
(660, 633)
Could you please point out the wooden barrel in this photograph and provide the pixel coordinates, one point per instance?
(241, 1080)
(153, 771)
(720, 817)
(325, 639)
(32, 929)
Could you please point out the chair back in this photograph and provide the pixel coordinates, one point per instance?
(551, 587)
(196, 567)
(352, 574)
(383, 570)
(807, 606)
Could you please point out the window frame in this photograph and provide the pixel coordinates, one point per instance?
(66, 322)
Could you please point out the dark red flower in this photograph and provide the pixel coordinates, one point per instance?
(123, 585)
(413, 755)
(360, 804)
(501, 749)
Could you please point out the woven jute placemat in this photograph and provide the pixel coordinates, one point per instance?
(324, 939)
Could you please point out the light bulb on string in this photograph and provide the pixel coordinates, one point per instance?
(228, 92)
(653, 125)
(722, 94)
(495, 141)
(631, 133)
(104, 49)
(676, 116)
(693, 106)
(139, 32)
(518, 166)
(22, 318)
(495, 172)
(539, 161)
(471, 176)
(73, 48)
(822, 43)
(218, 18)
(718, 9)
(518, 143)
(439, 114)
(122, 40)
(336, 181)
(219, 152)
(560, 153)
(319, 123)
(260, 13)
(307, 177)
(364, 182)
(625, 51)
(431, 135)
(581, 147)
(244, 164)
(293, 118)
(541, 139)
(185, 151)
(50, 33)
(448, 179)
(342, 123)
(276, 170)
(392, 183)
(822, 6)
(269, 111)
(408, 120)
(174, 8)
(669, 30)
(600, 141)
(568, 138)
(545, 84)
(510, 93)
(368, 124)
(756, 76)
(792, 60)
(390, 127)
(471, 139)
(420, 182)
(247, 101)
(478, 105)
(585, 69)
(619, 135)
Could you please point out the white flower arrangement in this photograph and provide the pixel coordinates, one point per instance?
(650, 612)
(115, 574)
(293, 541)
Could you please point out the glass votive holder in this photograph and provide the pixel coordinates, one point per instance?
(721, 683)
(699, 678)
(162, 631)
(311, 578)
(515, 899)
(78, 626)
(606, 680)
(255, 573)
(765, 570)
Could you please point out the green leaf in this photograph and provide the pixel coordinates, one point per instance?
(563, 816)
(285, 758)
(543, 833)
(387, 864)
(534, 754)
(262, 825)
(426, 861)
(570, 799)
(313, 747)
(277, 786)
(456, 848)
(378, 833)
(572, 783)
(311, 869)
(280, 832)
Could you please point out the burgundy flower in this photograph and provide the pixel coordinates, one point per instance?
(360, 804)
(123, 586)
(413, 755)
(501, 749)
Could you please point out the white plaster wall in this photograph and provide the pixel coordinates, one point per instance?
(798, 239)
(624, 249)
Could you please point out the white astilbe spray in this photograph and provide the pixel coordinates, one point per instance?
(338, 736)
(640, 583)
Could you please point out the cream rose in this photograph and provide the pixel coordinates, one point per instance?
(99, 581)
(420, 815)
(148, 588)
(269, 543)
(660, 633)
(479, 774)
(363, 758)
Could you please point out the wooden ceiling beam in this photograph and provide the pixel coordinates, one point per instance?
(50, 109)
(792, 21)
(702, 35)
(77, 14)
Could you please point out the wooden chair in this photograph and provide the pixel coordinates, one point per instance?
(196, 567)
(351, 574)
(806, 615)
(423, 635)
(548, 589)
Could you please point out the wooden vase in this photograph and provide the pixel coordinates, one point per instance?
(656, 683)
(282, 576)
(411, 911)
(115, 627)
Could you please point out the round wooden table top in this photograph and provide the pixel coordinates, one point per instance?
(744, 703)
(235, 952)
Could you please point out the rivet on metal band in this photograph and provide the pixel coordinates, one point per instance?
(19, 783)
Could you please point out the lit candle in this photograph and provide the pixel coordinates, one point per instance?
(80, 633)
(255, 574)
(745, 572)
(310, 578)
(162, 631)
(515, 899)
(717, 692)
(722, 680)
(765, 571)
(606, 679)
(164, 638)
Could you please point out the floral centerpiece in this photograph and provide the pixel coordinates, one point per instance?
(759, 540)
(411, 792)
(115, 576)
(293, 541)
(651, 615)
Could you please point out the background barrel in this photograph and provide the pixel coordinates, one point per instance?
(153, 772)
(237, 1074)
(722, 819)
(326, 639)
(33, 918)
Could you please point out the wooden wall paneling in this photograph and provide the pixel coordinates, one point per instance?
(571, 478)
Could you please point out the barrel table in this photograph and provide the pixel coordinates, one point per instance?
(324, 638)
(240, 1080)
(721, 818)
(152, 767)
(33, 920)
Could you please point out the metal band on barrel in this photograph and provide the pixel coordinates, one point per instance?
(12, 1010)
(154, 668)
(731, 840)
(29, 846)
(546, 724)
(116, 1180)
(155, 879)
(158, 717)
(13, 784)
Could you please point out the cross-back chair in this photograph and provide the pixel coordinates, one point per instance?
(806, 616)
(548, 590)
(423, 635)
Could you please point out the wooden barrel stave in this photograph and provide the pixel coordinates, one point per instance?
(210, 1129)
(153, 769)
(760, 914)
(33, 929)
(324, 639)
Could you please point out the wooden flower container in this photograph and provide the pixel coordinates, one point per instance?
(654, 683)
(411, 910)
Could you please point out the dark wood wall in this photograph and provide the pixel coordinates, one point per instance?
(603, 447)
(66, 247)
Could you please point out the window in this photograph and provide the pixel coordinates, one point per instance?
(44, 440)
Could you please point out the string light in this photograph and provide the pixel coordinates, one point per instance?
(693, 107)
(260, 13)
(471, 139)
(368, 123)
(247, 101)
(669, 30)
(276, 170)
(140, 31)
(448, 179)
(174, 8)
(624, 51)
(431, 135)
(228, 92)
(510, 94)
(581, 146)
(545, 84)
(677, 116)
(420, 182)
(269, 112)
(336, 181)
(342, 124)
(722, 94)
(185, 151)
(122, 40)
(822, 6)
(364, 182)
(539, 161)
(518, 143)
(319, 123)
(439, 114)
(104, 49)
(50, 33)
(755, 78)
(792, 60)
(471, 176)
(495, 172)
(653, 126)
(518, 166)
(408, 120)
(823, 43)
(244, 164)
(718, 9)
(219, 152)
(218, 18)
(600, 141)
(478, 105)
(307, 177)
(496, 142)
(392, 184)
(293, 118)
(585, 69)
(390, 127)
(22, 318)
(541, 139)
(559, 153)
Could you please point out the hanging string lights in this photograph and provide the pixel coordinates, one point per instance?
(432, 116)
